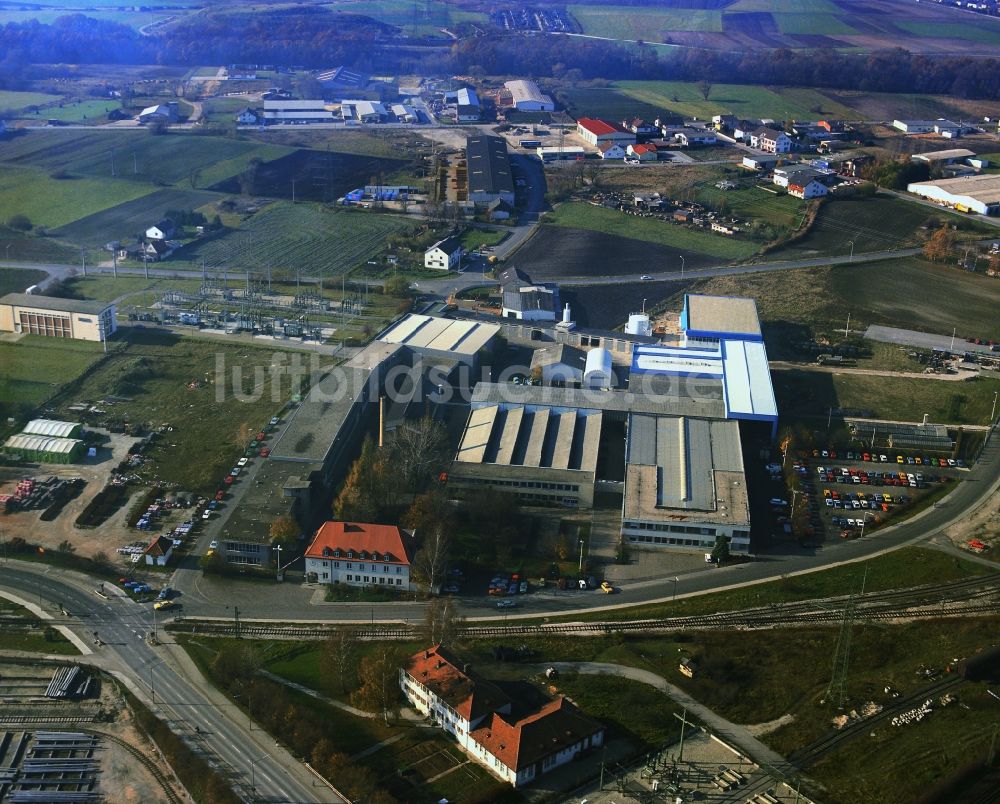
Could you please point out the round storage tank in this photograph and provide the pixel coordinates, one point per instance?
(597, 372)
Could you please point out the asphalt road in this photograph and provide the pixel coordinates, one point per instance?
(910, 337)
(213, 597)
(179, 693)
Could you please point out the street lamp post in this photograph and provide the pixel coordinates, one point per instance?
(253, 763)
(993, 410)
(152, 667)
(675, 589)
(851, 244)
(581, 555)
(682, 265)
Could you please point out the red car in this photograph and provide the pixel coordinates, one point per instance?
(229, 480)
(265, 452)
(220, 495)
(260, 436)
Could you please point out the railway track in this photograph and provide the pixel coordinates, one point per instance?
(805, 757)
(978, 604)
(171, 795)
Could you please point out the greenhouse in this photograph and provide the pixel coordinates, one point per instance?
(53, 428)
(44, 449)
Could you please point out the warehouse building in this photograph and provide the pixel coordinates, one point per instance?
(684, 483)
(527, 97)
(450, 339)
(542, 454)
(530, 302)
(599, 132)
(287, 112)
(31, 314)
(966, 194)
(490, 176)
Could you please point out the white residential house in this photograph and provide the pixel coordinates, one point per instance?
(695, 136)
(359, 554)
(611, 150)
(644, 153)
(159, 551)
(161, 230)
(249, 117)
(771, 141)
(812, 189)
(445, 255)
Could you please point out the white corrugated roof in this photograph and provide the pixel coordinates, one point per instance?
(748, 381)
(39, 443)
(50, 427)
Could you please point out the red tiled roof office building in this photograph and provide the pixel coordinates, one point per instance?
(359, 554)
(517, 747)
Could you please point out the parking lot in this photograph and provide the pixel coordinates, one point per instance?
(845, 494)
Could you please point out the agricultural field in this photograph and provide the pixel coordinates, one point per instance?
(881, 223)
(428, 20)
(33, 368)
(578, 215)
(16, 101)
(643, 24)
(21, 247)
(818, 299)
(164, 378)
(90, 112)
(748, 25)
(51, 202)
(285, 238)
(126, 220)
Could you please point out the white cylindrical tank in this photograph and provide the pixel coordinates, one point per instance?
(597, 373)
(566, 314)
(638, 324)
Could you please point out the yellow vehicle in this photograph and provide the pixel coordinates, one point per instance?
(160, 605)
(607, 588)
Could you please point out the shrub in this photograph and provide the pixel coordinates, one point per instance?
(20, 222)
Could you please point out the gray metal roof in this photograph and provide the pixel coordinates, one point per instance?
(677, 396)
(56, 304)
(489, 165)
(530, 298)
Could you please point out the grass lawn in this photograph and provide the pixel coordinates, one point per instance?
(810, 393)
(28, 248)
(51, 203)
(152, 373)
(14, 101)
(34, 367)
(105, 287)
(586, 216)
(474, 238)
(17, 280)
(24, 631)
(753, 203)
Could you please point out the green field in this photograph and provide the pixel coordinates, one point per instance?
(739, 99)
(152, 372)
(25, 632)
(286, 238)
(86, 111)
(881, 223)
(135, 155)
(15, 101)
(33, 368)
(426, 21)
(786, 6)
(643, 24)
(753, 203)
(967, 31)
(812, 23)
(586, 216)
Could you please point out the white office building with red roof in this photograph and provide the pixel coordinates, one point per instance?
(597, 132)
(358, 554)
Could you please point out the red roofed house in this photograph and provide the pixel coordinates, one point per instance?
(518, 749)
(644, 153)
(813, 189)
(159, 550)
(361, 555)
(447, 690)
(596, 132)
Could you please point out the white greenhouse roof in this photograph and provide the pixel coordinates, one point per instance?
(50, 427)
(37, 443)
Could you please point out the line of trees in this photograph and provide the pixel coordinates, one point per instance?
(313, 37)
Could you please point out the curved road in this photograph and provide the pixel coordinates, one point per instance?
(168, 681)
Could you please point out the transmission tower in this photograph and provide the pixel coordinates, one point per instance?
(836, 692)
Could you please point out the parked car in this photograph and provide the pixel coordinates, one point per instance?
(274, 420)
(607, 588)
(159, 605)
(450, 589)
(507, 603)
(214, 545)
(242, 462)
